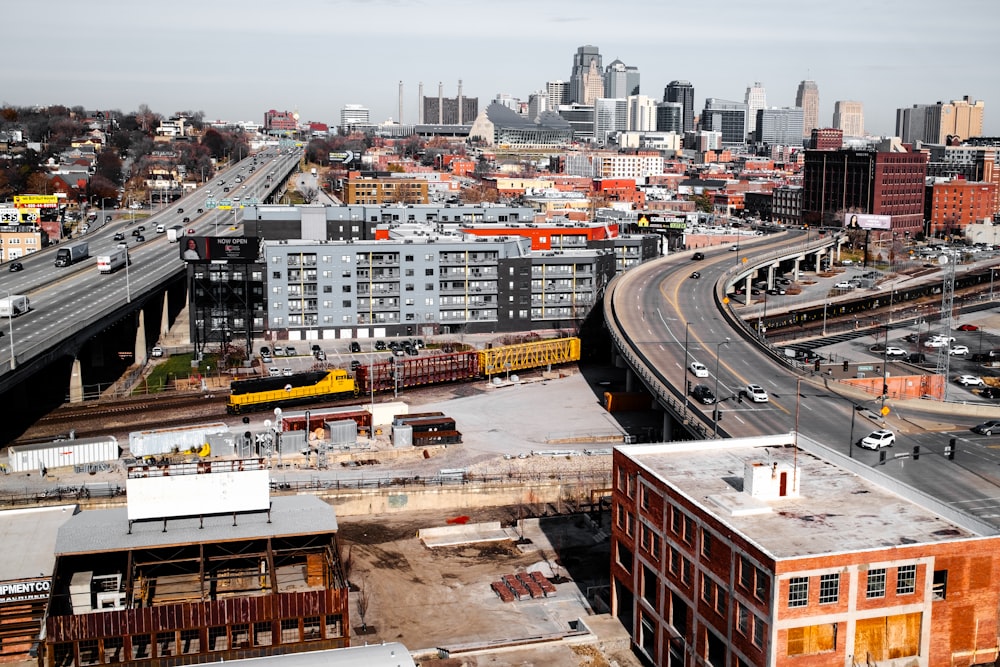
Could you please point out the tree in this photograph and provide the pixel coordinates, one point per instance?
(363, 601)
(39, 183)
(109, 166)
(102, 189)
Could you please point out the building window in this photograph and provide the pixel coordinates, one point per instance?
(686, 571)
(289, 630)
(688, 530)
(190, 641)
(217, 638)
(311, 628)
(649, 586)
(89, 652)
(263, 634)
(742, 619)
(644, 497)
(113, 647)
(798, 592)
(166, 643)
(812, 639)
(758, 632)
(876, 583)
(829, 588)
(940, 591)
(906, 579)
(706, 543)
(624, 557)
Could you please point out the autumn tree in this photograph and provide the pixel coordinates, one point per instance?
(101, 189)
(109, 165)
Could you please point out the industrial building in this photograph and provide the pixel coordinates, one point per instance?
(202, 566)
(777, 551)
(28, 536)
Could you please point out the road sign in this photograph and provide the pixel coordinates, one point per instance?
(344, 157)
(885, 410)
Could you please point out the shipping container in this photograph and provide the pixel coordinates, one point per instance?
(166, 440)
(624, 401)
(59, 453)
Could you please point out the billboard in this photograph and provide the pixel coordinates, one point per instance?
(10, 216)
(867, 221)
(36, 201)
(236, 249)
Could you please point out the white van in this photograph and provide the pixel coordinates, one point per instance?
(160, 229)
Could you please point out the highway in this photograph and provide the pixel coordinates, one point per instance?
(658, 307)
(66, 299)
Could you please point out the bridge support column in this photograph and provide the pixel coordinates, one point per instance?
(140, 339)
(770, 275)
(165, 316)
(76, 382)
(630, 380)
(795, 268)
(668, 427)
(747, 286)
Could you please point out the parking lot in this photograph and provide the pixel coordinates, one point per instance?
(283, 358)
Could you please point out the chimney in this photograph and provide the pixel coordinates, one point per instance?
(400, 102)
(440, 103)
(459, 101)
(420, 103)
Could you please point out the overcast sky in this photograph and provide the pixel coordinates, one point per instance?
(235, 59)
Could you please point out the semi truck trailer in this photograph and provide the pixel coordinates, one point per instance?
(72, 254)
(113, 261)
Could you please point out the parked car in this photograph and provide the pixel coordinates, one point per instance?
(895, 352)
(958, 349)
(412, 351)
(776, 290)
(843, 284)
(287, 372)
(418, 343)
(355, 347)
(315, 348)
(273, 372)
(916, 358)
(756, 393)
(987, 428)
(380, 345)
(968, 327)
(279, 351)
(355, 364)
(703, 394)
(990, 392)
(157, 351)
(699, 369)
(878, 439)
(290, 351)
(970, 381)
(320, 355)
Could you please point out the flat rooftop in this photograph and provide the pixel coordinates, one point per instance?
(29, 537)
(107, 530)
(836, 511)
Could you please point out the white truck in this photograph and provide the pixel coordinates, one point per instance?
(175, 233)
(113, 261)
(14, 305)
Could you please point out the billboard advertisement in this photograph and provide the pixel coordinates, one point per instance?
(203, 249)
(867, 221)
(36, 201)
(10, 216)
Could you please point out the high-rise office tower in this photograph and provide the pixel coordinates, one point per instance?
(934, 123)
(779, 127)
(641, 113)
(610, 116)
(352, 115)
(558, 92)
(682, 92)
(727, 118)
(849, 118)
(807, 98)
(581, 81)
(621, 80)
(755, 99)
(670, 117)
(537, 103)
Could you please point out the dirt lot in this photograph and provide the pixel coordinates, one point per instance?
(441, 598)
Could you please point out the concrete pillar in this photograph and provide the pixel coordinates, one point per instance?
(76, 382)
(770, 275)
(795, 268)
(630, 382)
(140, 339)
(668, 427)
(165, 317)
(747, 286)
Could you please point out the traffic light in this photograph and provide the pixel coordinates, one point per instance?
(916, 452)
(845, 365)
(689, 386)
(816, 365)
(718, 415)
(885, 390)
(950, 449)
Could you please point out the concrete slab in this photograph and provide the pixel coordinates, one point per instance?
(447, 536)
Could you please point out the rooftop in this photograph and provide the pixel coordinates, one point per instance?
(835, 511)
(30, 537)
(108, 530)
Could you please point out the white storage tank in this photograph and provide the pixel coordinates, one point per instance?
(58, 453)
(165, 440)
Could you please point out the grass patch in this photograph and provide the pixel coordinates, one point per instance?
(173, 367)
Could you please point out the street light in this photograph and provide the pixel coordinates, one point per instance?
(10, 321)
(715, 415)
(684, 367)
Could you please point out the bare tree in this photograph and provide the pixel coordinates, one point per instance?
(309, 194)
(363, 600)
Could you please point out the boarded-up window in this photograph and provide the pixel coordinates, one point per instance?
(812, 639)
(888, 637)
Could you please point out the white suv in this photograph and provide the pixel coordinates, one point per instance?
(756, 393)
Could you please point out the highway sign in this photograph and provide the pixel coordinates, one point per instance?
(343, 157)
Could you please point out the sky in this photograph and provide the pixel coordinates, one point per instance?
(235, 59)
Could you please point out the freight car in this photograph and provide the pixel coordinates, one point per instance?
(297, 389)
(314, 386)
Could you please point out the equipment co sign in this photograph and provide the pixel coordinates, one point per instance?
(18, 591)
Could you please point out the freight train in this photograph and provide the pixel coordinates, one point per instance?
(315, 386)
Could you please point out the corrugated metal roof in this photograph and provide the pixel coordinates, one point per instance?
(108, 530)
(379, 655)
(29, 536)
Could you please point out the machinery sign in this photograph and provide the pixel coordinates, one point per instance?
(17, 591)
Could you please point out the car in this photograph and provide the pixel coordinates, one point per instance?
(987, 427)
(696, 275)
(286, 371)
(320, 355)
(990, 392)
(878, 439)
(315, 348)
(265, 358)
(703, 394)
(140, 228)
(15, 267)
(140, 239)
(970, 381)
(784, 281)
(290, 351)
(355, 347)
(698, 256)
(756, 393)
(776, 291)
(279, 351)
(843, 284)
(398, 350)
(412, 351)
(120, 236)
(935, 342)
(273, 372)
(916, 358)
(734, 248)
(380, 345)
(968, 327)
(136, 232)
(699, 369)
(186, 219)
(895, 351)
(157, 351)
(180, 210)
(190, 232)
(355, 364)
(265, 350)
(418, 343)
(958, 349)
(107, 218)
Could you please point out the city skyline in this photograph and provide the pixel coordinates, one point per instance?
(235, 61)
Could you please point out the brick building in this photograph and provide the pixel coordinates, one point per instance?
(957, 203)
(764, 551)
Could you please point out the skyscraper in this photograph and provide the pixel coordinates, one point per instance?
(807, 98)
(755, 100)
(558, 92)
(641, 113)
(581, 81)
(727, 118)
(621, 80)
(682, 92)
(934, 123)
(537, 103)
(779, 127)
(849, 117)
(670, 117)
(610, 116)
(352, 115)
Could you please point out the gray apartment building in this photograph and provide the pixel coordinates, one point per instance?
(427, 285)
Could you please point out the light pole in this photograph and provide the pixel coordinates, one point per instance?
(885, 369)
(128, 286)
(10, 321)
(684, 367)
(277, 433)
(825, 304)
(715, 415)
